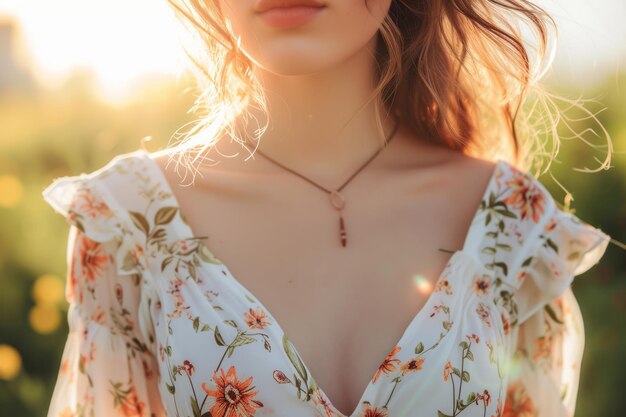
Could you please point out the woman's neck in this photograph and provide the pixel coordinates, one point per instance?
(315, 126)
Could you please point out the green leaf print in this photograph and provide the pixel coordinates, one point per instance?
(298, 386)
(527, 261)
(242, 339)
(507, 213)
(573, 256)
(502, 265)
(471, 397)
(194, 407)
(206, 255)
(129, 263)
(294, 358)
(218, 337)
(159, 233)
(229, 351)
(164, 215)
(166, 262)
(552, 314)
(553, 245)
(140, 221)
(231, 323)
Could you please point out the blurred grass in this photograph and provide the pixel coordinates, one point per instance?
(68, 131)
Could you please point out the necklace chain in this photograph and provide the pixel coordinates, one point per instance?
(336, 199)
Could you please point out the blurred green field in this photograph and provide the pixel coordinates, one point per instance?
(67, 132)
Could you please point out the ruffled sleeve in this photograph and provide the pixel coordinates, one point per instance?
(106, 368)
(546, 367)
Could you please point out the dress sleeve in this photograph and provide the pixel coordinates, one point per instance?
(545, 370)
(106, 368)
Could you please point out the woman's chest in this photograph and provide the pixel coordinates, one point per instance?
(343, 319)
(344, 308)
(218, 342)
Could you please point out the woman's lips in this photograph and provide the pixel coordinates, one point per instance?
(288, 17)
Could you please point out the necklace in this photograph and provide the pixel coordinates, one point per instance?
(336, 199)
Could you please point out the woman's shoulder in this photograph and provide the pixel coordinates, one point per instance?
(526, 233)
(97, 201)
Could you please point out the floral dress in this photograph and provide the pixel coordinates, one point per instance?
(160, 327)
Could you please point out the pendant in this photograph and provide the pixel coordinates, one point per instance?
(338, 202)
(342, 231)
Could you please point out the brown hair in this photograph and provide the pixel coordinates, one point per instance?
(457, 72)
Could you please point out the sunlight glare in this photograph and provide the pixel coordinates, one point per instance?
(422, 284)
(119, 41)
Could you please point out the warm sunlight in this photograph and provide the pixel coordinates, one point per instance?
(119, 41)
(422, 284)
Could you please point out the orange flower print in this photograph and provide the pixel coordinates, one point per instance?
(543, 347)
(525, 196)
(483, 313)
(320, 399)
(67, 412)
(280, 377)
(438, 308)
(98, 315)
(481, 284)
(367, 410)
(485, 397)
(127, 401)
(388, 364)
(256, 319)
(132, 406)
(443, 285)
(518, 403)
(70, 289)
(67, 370)
(119, 293)
(506, 323)
(180, 247)
(412, 365)
(186, 367)
(147, 370)
(446, 371)
(87, 358)
(137, 254)
(473, 337)
(92, 206)
(232, 396)
(554, 269)
(550, 225)
(92, 259)
(562, 308)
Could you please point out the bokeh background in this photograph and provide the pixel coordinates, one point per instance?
(84, 80)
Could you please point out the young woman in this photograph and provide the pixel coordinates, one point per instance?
(386, 254)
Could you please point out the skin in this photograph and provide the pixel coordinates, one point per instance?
(411, 200)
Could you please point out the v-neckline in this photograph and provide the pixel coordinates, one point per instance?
(407, 331)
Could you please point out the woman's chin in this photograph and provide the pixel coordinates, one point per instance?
(295, 64)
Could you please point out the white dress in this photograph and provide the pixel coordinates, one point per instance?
(160, 327)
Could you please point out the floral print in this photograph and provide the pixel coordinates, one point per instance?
(160, 326)
(232, 396)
